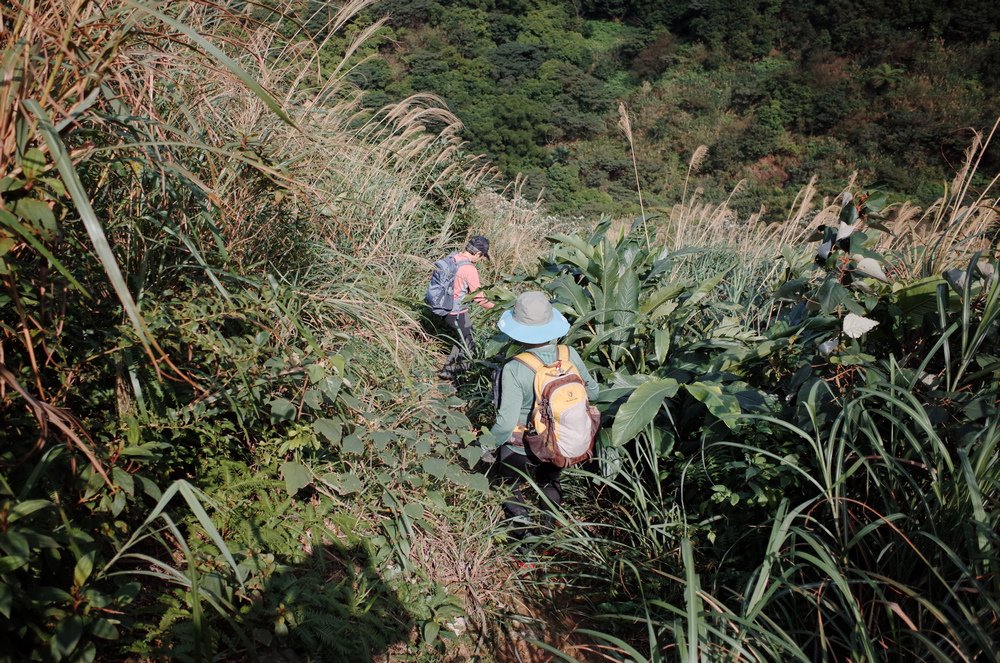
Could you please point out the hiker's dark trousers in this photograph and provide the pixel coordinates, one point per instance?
(461, 351)
(546, 475)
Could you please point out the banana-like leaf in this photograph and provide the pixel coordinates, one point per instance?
(724, 406)
(567, 289)
(626, 301)
(661, 344)
(575, 242)
(702, 291)
(660, 295)
(640, 409)
(917, 298)
(600, 305)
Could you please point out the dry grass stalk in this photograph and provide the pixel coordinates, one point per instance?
(625, 124)
(697, 158)
(953, 227)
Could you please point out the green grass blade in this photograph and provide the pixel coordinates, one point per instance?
(9, 220)
(94, 229)
(692, 602)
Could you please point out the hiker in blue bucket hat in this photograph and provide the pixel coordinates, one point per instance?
(534, 323)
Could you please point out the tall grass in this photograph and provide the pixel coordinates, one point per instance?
(195, 184)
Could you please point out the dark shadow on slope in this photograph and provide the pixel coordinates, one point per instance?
(332, 606)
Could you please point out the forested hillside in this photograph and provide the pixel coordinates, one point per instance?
(778, 92)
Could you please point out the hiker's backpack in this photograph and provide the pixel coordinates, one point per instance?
(440, 295)
(562, 424)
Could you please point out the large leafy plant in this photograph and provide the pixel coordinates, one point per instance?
(650, 339)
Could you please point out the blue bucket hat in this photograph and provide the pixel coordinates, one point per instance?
(533, 320)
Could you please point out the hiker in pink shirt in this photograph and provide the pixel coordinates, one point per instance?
(466, 281)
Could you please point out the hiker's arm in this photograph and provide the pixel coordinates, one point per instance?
(471, 276)
(510, 406)
(592, 386)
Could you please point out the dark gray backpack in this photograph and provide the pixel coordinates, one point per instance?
(440, 295)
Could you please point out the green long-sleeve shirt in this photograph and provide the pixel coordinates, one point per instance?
(517, 394)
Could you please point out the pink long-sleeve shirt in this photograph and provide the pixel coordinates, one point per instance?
(466, 281)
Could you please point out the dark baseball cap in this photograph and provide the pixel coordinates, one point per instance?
(479, 244)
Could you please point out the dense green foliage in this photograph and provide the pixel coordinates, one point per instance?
(753, 484)
(778, 91)
(188, 368)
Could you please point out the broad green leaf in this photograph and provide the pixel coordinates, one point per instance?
(296, 475)
(640, 409)
(345, 484)
(12, 562)
(123, 480)
(37, 213)
(87, 654)
(664, 309)
(566, 289)
(471, 455)
(313, 398)
(95, 598)
(831, 295)
(104, 629)
(330, 429)
(661, 295)
(6, 599)
(661, 344)
(849, 214)
(477, 482)
(724, 406)
(572, 240)
(26, 508)
(431, 630)
(315, 373)
(13, 542)
(33, 163)
(793, 290)
(11, 184)
(352, 444)
(331, 387)
(626, 301)
(456, 420)
(55, 185)
(381, 438)
(66, 637)
(47, 594)
(6, 244)
(149, 487)
(703, 289)
(282, 410)
(436, 467)
(414, 510)
(118, 503)
(84, 567)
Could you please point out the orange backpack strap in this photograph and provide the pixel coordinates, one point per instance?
(562, 354)
(530, 360)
